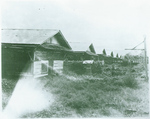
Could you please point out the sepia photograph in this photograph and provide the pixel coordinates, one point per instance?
(75, 58)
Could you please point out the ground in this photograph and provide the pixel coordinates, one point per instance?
(72, 95)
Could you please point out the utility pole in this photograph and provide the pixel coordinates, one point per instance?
(145, 56)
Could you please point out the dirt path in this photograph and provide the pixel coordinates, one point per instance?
(29, 96)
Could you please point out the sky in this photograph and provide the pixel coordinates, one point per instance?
(113, 25)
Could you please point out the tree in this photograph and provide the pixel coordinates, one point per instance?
(128, 56)
(117, 55)
(104, 52)
(112, 54)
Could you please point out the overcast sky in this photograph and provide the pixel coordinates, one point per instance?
(110, 24)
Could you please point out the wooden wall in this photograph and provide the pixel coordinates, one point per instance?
(15, 61)
(51, 56)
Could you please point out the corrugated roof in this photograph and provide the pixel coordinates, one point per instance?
(26, 36)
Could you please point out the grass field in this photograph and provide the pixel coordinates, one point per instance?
(96, 96)
(8, 85)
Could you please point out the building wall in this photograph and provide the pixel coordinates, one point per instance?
(19, 58)
(51, 56)
(15, 61)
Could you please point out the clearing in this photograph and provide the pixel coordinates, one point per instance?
(75, 95)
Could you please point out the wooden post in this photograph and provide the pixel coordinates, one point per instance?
(145, 58)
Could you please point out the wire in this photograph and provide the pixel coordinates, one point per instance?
(138, 45)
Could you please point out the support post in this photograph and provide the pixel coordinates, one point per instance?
(145, 58)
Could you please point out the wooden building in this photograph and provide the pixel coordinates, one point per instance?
(32, 51)
(82, 51)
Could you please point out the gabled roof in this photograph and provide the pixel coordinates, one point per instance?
(82, 46)
(26, 36)
(31, 36)
(79, 46)
(92, 48)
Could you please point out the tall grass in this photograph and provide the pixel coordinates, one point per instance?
(130, 81)
(110, 97)
(127, 81)
(8, 85)
(87, 94)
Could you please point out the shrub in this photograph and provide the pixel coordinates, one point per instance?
(124, 63)
(130, 81)
(79, 68)
(96, 68)
(75, 66)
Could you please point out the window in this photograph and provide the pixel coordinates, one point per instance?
(40, 67)
(37, 67)
(44, 67)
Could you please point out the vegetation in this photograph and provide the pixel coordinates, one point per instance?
(8, 85)
(75, 66)
(81, 69)
(130, 81)
(101, 95)
(96, 96)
